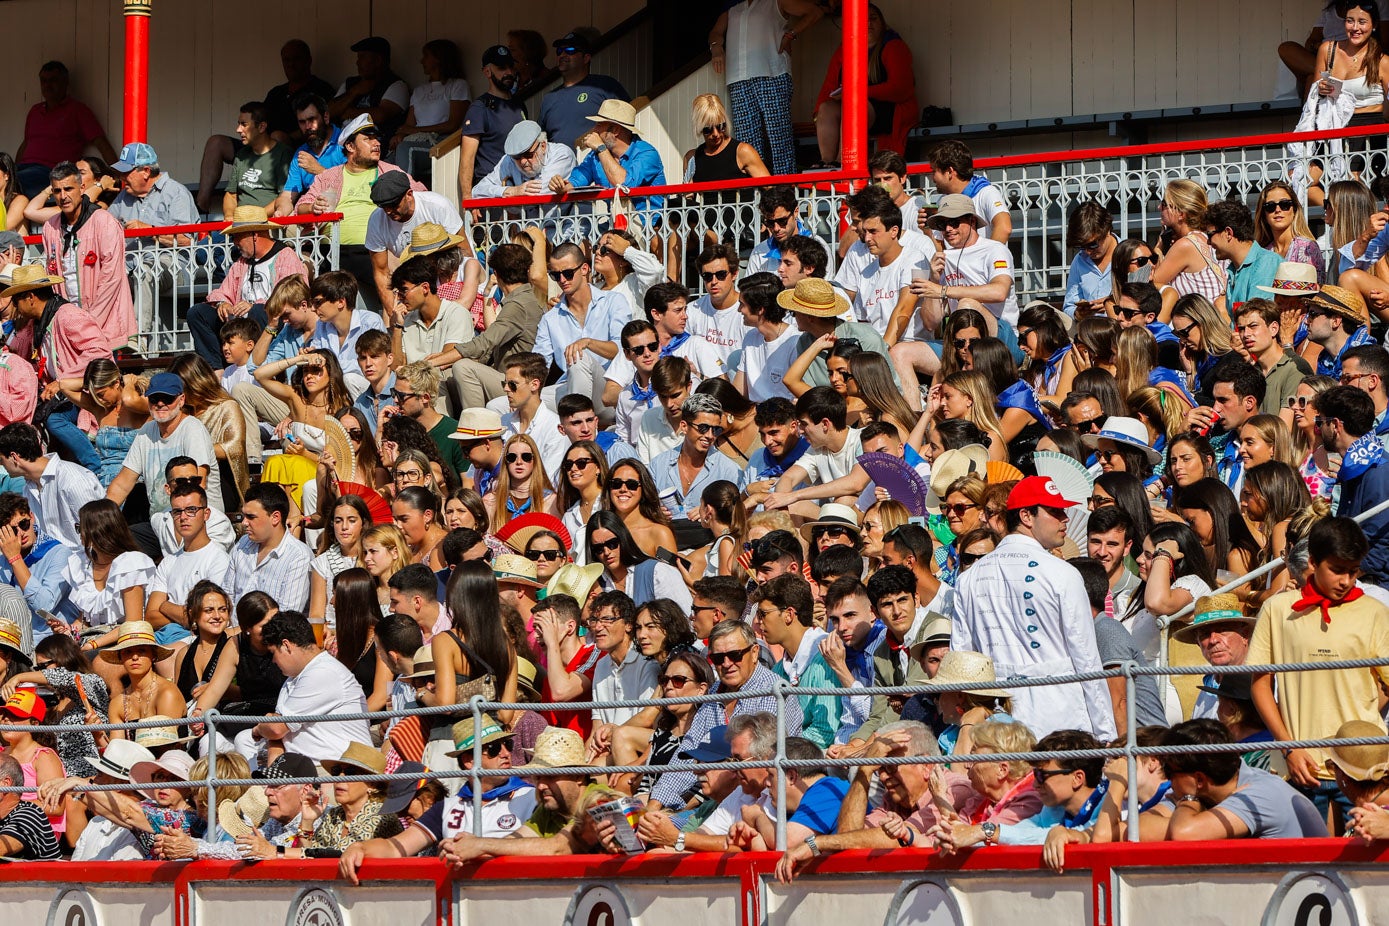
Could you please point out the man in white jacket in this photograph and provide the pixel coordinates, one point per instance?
(1027, 610)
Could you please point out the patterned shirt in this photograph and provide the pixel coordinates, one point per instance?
(283, 575)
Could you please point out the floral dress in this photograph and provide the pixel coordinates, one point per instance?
(76, 746)
(334, 833)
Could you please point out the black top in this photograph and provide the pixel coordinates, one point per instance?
(721, 166)
(257, 675)
(364, 670)
(188, 677)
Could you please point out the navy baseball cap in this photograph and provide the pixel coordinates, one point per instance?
(575, 41)
(715, 747)
(498, 55)
(167, 384)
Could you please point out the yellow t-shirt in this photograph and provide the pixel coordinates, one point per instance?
(355, 205)
(1315, 704)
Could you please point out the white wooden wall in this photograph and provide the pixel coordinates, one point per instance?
(987, 59)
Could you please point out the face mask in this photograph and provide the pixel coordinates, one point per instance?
(1142, 274)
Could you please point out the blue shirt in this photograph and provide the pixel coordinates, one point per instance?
(299, 179)
(288, 342)
(1259, 269)
(1086, 282)
(558, 328)
(370, 403)
(47, 589)
(565, 110)
(325, 336)
(644, 168)
(614, 447)
(819, 807)
(665, 469)
(1331, 366)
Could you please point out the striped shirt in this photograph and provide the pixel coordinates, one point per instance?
(28, 825)
(63, 488)
(283, 574)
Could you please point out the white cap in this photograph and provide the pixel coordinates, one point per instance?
(360, 124)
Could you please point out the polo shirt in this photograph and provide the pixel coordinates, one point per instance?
(489, 119)
(1282, 382)
(565, 110)
(168, 202)
(607, 313)
(1259, 268)
(59, 132)
(325, 336)
(452, 326)
(634, 678)
(644, 168)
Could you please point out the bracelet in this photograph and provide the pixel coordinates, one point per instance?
(712, 44)
(908, 840)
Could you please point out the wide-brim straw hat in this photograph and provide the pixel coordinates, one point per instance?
(336, 442)
(935, 631)
(1214, 611)
(131, 635)
(12, 638)
(1127, 431)
(814, 297)
(516, 569)
(246, 815)
(463, 740)
(367, 760)
(428, 239)
(555, 747)
(1363, 763)
(1293, 278)
(574, 580)
(29, 277)
(248, 219)
(526, 675)
(617, 111)
(1342, 302)
(965, 667)
(422, 666)
(832, 515)
(971, 459)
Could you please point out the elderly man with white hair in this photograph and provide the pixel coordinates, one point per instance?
(531, 162)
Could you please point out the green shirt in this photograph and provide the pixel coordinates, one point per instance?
(819, 713)
(256, 179)
(450, 449)
(354, 202)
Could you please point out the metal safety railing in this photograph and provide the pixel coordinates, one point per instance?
(168, 279)
(1040, 190)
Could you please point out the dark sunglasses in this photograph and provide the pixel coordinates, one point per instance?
(1091, 424)
(710, 275)
(356, 433)
(1143, 261)
(1092, 245)
(637, 350)
(715, 429)
(497, 747)
(24, 524)
(964, 343)
(969, 559)
(604, 250)
(597, 547)
(536, 556)
(736, 655)
(834, 531)
(779, 223)
(711, 129)
(958, 221)
(1279, 205)
(1042, 774)
(631, 485)
(1096, 502)
(958, 510)
(402, 396)
(1299, 402)
(565, 275)
(1127, 313)
(679, 680)
(581, 463)
(1183, 332)
(525, 456)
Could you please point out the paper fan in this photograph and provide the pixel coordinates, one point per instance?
(380, 509)
(1075, 485)
(999, 471)
(903, 483)
(336, 442)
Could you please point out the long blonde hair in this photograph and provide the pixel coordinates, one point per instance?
(536, 491)
(1135, 357)
(1351, 205)
(1263, 232)
(1162, 410)
(976, 385)
(1189, 198)
(1274, 433)
(1214, 325)
(390, 537)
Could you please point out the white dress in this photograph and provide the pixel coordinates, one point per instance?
(1147, 636)
(105, 607)
(1027, 610)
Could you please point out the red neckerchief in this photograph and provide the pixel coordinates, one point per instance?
(986, 810)
(1311, 596)
(895, 647)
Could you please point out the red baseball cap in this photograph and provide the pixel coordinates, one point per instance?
(25, 704)
(1037, 490)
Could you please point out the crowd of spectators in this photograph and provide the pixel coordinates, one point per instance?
(548, 474)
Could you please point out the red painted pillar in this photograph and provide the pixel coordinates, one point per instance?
(135, 125)
(854, 127)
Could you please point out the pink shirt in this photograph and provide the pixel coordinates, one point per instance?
(925, 815)
(58, 133)
(101, 275)
(72, 342)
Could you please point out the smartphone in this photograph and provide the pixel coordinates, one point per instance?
(669, 558)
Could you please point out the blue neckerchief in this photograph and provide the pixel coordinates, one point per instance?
(644, 397)
(1360, 457)
(774, 252)
(513, 510)
(486, 478)
(1301, 334)
(1169, 376)
(976, 183)
(510, 786)
(1087, 810)
(776, 468)
(860, 661)
(1020, 395)
(1161, 332)
(1053, 365)
(1204, 367)
(39, 551)
(910, 455)
(1331, 366)
(1382, 425)
(1157, 798)
(605, 440)
(674, 344)
(1228, 465)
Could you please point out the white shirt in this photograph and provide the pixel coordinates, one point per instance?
(988, 205)
(824, 466)
(453, 325)
(978, 265)
(634, 678)
(233, 376)
(150, 454)
(754, 40)
(544, 430)
(500, 816)
(431, 100)
(705, 362)
(880, 289)
(176, 575)
(1057, 638)
(219, 528)
(722, 329)
(104, 841)
(850, 275)
(324, 686)
(730, 811)
(54, 501)
(627, 415)
(283, 575)
(654, 434)
(386, 234)
(765, 363)
(101, 607)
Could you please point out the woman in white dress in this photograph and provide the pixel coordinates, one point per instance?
(583, 476)
(109, 575)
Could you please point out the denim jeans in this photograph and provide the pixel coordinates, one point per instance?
(1324, 795)
(206, 327)
(71, 442)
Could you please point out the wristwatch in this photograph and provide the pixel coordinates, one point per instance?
(680, 842)
(810, 841)
(600, 149)
(990, 831)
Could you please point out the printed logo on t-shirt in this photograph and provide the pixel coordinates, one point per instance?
(583, 98)
(252, 176)
(1000, 265)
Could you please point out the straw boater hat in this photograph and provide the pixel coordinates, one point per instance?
(962, 666)
(248, 219)
(1342, 302)
(11, 637)
(526, 673)
(951, 465)
(478, 423)
(463, 740)
(954, 206)
(1293, 278)
(935, 631)
(617, 111)
(422, 666)
(516, 569)
(832, 515)
(555, 747)
(27, 278)
(131, 635)
(429, 238)
(246, 814)
(1219, 612)
(1363, 763)
(574, 580)
(361, 758)
(336, 442)
(814, 297)
(1127, 431)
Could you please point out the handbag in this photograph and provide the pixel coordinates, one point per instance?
(485, 684)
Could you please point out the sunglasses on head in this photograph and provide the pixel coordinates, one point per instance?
(1279, 205)
(536, 556)
(565, 275)
(525, 456)
(638, 350)
(710, 275)
(735, 655)
(631, 485)
(708, 130)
